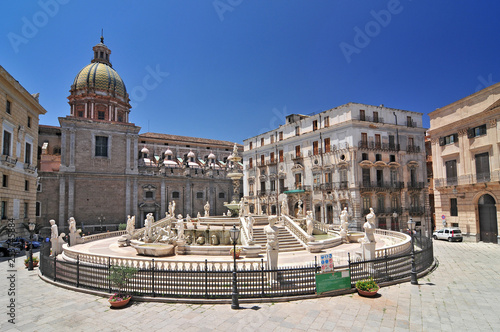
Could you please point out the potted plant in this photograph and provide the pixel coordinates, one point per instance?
(235, 254)
(35, 261)
(119, 277)
(367, 287)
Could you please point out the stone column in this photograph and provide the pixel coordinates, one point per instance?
(62, 200)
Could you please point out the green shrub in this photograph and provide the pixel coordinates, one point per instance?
(367, 284)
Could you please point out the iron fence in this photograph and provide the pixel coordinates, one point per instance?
(210, 282)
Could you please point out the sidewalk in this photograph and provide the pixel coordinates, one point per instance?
(461, 294)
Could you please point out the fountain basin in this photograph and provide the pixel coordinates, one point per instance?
(354, 237)
(155, 249)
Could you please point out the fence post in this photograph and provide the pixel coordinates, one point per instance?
(262, 274)
(206, 279)
(153, 277)
(386, 265)
(55, 269)
(77, 270)
(109, 274)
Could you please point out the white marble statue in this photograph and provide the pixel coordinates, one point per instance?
(130, 225)
(250, 222)
(272, 247)
(207, 209)
(169, 209)
(198, 216)
(188, 219)
(284, 206)
(72, 231)
(299, 207)
(173, 209)
(343, 220)
(54, 232)
(148, 223)
(242, 207)
(56, 239)
(180, 227)
(369, 227)
(309, 223)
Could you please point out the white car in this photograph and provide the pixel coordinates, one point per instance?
(450, 234)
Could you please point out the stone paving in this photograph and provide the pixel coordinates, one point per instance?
(461, 294)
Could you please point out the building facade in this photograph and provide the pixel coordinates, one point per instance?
(97, 168)
(356, 156)
(465, 138)
(19, 115)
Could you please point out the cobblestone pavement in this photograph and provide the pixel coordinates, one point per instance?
(461, 294)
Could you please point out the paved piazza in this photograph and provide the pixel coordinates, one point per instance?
(461, 294)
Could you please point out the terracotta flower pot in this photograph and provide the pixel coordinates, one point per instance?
(119, 304)
(370, 293)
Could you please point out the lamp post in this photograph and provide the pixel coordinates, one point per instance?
(31, 227)
(234, 233)
(413, 274)
(395, 216)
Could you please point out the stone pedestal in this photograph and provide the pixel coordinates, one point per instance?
(368, 250)
(343, 236)
(181, 247)
(251, 251)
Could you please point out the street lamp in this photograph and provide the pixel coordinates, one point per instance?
(31, 227)
(395, 216)
(234, 233)
(413, 274)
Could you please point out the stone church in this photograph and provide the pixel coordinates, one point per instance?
(98, 168)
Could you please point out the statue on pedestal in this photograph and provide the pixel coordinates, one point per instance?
(369, 227)
(207, 209)
(272, 247)
(309, 223)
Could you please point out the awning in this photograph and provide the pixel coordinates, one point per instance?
(294, 191)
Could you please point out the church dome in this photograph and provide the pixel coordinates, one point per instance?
(100, 76)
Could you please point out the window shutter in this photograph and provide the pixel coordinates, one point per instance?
(441, 141)
(455, 138)
(470, 133)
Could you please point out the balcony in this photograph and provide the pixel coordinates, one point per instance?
(8, 161)
(384, 211)
(380, 185)
(411, 124)
(416, 210)
(413, 149)
(378, 146)
(251, 193)
(371, 119)
(30, 168)
(468, 179)
(297, 156)
(483, 177)
(271, 162)
(415, 185)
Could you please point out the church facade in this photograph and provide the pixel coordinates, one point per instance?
(98, 168)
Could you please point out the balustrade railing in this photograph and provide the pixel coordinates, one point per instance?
(296, 230)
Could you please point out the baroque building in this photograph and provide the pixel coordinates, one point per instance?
(465, 139)
(98, 168)
(19, 113)
(356, 156)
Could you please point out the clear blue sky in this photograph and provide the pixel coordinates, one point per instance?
(236, 67)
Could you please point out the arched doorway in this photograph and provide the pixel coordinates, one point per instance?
(488, 225)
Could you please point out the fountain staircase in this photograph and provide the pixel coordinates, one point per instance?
(287, 242)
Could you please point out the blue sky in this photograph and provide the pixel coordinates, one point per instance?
(232, 69)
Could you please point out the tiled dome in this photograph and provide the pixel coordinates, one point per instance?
(100, 76)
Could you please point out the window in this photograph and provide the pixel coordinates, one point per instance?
(149, 194)
(271, 157)
(250, 162)
(280, 135)
(482, 167)
(100, 115)
(327, 144)
(297, 131)
(364, 138)
(280, 153)
(39, 187)
(27, 154)
(222, 195)
(7, 107)
(413, 177)
(26, 209)
(262, 160)
(327, 121)
(6, 143)
(4, 210)
(364, 156)
(392, 145)
(450, 139)
(199, 194)
(380, 178)
(394, 203)
(378, 143)
(380, 204)
(451, 172)
(477, 131)
(315, 125)
(366, 176)
(263, 186)
(29, 122)
(410, 142)
(273, 185)
(392, 158)
(26, 185)
(250, 146)
(366, 203)
(316, 179)
(378, 157)
(343, 178)
(80, 114)
(262, 141)
(271, 139)
(5, 181)
(394, 178)
(101, 146)
(297, 151)
(175, 194)
(453, 207)
(298, 180)
(315, 148)
(362, 115)
(282, 185)
(409, 122)
(38, 209)
(328, 177)
(375, 116)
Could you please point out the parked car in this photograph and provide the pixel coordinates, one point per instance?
(7, 250)
(450, 234)
(24, 242)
